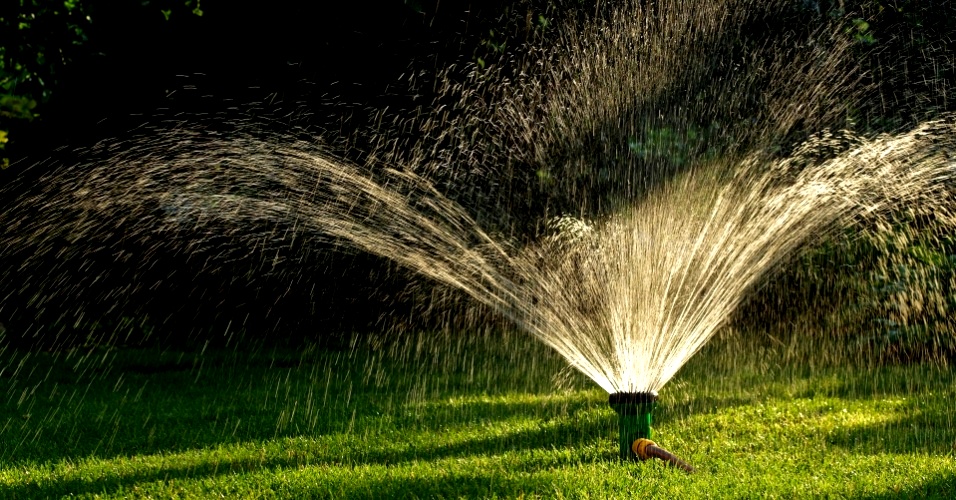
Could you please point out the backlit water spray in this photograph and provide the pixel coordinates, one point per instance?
(628, 287)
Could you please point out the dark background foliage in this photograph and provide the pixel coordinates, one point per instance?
(75, 72)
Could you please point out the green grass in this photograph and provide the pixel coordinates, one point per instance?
(476, 417)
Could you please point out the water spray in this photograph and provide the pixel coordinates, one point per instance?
(634, 411)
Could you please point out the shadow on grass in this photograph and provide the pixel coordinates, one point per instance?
(920, 402)
(564, 423)
(549, 444)
(144, 404)
(540, 442)
(930, 430)
(940, 487)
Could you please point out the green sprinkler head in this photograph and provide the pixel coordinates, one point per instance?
(634, 429)
(634, 418)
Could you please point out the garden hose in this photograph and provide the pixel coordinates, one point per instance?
(644, 449)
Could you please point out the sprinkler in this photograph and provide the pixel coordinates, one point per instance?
(634, 428)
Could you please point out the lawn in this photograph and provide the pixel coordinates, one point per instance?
(476, 416)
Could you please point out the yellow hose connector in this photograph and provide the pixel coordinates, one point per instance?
(645, 448)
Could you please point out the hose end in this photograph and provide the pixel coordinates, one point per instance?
(644, 449)
(639, 447)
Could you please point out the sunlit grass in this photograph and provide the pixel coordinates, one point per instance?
(485, 420)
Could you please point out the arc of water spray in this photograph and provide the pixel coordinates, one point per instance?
(629, 303)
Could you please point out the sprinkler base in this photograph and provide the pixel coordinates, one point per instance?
(634, 428)
(634, 418)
